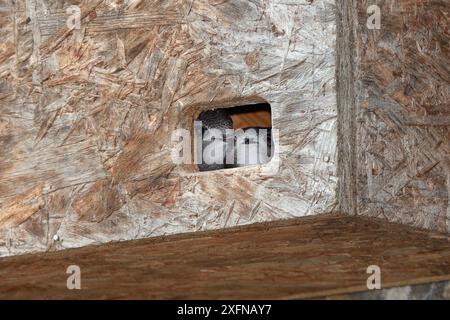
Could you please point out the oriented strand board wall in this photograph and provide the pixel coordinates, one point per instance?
(394, 93)
(86, 115)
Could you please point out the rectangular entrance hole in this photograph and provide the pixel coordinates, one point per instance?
(233, 137)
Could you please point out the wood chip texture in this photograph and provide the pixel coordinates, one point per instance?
(394, 112)
(86, 116)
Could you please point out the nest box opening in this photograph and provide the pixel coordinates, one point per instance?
(233, 137)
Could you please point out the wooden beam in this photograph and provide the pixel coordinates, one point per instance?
(302, 258)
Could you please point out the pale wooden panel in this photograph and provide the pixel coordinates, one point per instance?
(394, 93)
(86, 116)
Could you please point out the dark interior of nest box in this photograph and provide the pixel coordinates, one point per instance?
(250, 123)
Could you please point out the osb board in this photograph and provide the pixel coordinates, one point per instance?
(301, 258)
(439, 290)
(86, 116)
(394, 93)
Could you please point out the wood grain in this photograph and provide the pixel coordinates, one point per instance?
(307, 257)
(86, 116)
(393, 96)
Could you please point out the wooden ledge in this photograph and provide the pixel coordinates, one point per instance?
(301, 258)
